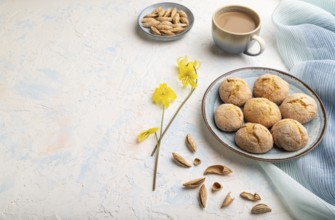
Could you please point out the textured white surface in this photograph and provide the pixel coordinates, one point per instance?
(76, 80)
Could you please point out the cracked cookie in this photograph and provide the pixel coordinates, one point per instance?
(271, 87)
(300, 107)
(254, 138)
(228, 117)
(289, 134)
(261, 111)
(235, 91)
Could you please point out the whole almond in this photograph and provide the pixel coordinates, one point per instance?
(166, 23)
(167, 32)
(184, 20)
(145, 20)
(176, 19)
(150, 23)
(179, 25)
(163, 27)
(167, 13)
(164, 19)
(152, 15)
(177, 30)
(173, 12)
(182, 13)
(157, 10)
(154, 30)
(161, 13)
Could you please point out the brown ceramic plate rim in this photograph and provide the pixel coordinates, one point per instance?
(255, 157)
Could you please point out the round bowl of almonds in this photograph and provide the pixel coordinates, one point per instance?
(165, 21)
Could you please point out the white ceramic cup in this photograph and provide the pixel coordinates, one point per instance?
(236, 42)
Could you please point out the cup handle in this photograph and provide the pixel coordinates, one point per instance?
(261, 43)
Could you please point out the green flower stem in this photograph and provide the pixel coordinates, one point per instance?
(156, 137)
(170, 122)
(158, 147)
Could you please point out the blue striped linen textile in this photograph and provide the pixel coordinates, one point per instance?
(305, 34)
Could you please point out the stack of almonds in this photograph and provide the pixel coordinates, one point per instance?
(167, 22)
(218, 170)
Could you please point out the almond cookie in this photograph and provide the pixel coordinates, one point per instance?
(289, 134)
(235, 91)
(261, 111)
(228, 117)
(271, 87)
(300, 107)
(254, 138)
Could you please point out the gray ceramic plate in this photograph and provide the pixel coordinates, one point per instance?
(165, 5)
(211, 101)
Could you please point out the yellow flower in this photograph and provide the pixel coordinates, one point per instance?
(163, 95)
(144, 134)
(187, 71)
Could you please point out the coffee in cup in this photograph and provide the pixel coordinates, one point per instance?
(236, 28)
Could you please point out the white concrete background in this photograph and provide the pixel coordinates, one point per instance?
(76, 80)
